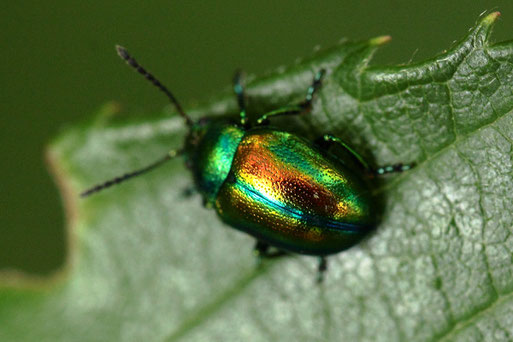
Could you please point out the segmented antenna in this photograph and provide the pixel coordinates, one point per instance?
(126, 176)
(123, 53)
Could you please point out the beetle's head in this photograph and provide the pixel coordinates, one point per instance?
(204, 134)
(197, 133)
(201, 128)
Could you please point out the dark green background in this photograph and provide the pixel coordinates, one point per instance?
(58, 66)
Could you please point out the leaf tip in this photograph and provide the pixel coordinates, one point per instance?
(483, 29)
(381, 40)
(490, 18)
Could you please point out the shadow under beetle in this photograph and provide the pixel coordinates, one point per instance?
(283, 190)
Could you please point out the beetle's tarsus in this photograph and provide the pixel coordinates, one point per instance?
(238, 89)
(321, 269)
(395, 168)
(316, 84)
(303, 107)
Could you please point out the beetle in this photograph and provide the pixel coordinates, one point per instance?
(285, 191)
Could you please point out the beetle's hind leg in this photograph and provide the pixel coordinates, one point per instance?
(261, 251)
(298, 109)
(322, 268)
(327, 140)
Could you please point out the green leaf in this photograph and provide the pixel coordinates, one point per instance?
(148, 263)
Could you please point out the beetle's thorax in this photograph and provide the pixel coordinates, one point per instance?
(210, 149)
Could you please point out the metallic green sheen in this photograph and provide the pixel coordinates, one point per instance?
(282, 190)
(212, 155)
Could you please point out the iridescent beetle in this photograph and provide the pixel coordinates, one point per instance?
(283, 190)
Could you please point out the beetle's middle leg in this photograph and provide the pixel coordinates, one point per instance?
(297, 109)
(261, 250)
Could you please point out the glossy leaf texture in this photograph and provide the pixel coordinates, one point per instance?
(148, 262)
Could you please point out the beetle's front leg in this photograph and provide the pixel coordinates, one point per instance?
(238, 89)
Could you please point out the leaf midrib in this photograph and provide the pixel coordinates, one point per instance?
(201, 315)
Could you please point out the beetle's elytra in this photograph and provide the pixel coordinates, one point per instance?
(283, 190)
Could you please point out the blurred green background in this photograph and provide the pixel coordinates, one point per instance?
(59, 66)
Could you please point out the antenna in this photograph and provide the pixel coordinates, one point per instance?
(127, 176)
(123, 53)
